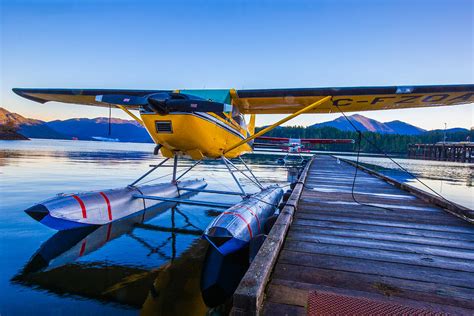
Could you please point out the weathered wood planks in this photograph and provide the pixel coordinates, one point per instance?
(413, 252)
(406, 249)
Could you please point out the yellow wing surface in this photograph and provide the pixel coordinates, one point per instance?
(281, 101)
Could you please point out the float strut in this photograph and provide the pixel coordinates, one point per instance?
(211, 191)
(189, 169)
(175, 167)
(245, 175)
(224, 159)
(250, 170)
(148, 172)
(183, 201)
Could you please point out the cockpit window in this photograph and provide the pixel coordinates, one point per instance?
(238, 117)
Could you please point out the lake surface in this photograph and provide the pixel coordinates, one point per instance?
(135, 266)
(106, 277)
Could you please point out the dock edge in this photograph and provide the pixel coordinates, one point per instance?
(249, 295)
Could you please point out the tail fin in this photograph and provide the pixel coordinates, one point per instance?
(251, 125)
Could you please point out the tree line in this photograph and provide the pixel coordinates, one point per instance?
(389, 143)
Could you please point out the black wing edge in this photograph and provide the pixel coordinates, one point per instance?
(337, 91)
(28, 93)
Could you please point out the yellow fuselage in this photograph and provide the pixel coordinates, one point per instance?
(197, 135)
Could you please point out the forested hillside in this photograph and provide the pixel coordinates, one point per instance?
(391, 143)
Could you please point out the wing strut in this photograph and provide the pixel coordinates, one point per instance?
(130, 113)
(284, 120)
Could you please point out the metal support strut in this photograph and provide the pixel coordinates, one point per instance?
(189, 169)
(175, 167)
(245, 175)
(226, 163)
(148, 172)
(250, 171)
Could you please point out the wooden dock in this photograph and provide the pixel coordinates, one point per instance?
(460, 151)
(410, 252)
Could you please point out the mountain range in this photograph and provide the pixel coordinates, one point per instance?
(366, 124)
(131, 131)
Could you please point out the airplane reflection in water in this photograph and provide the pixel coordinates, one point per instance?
(176, 284)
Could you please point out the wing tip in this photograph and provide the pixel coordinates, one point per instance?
(17, 91)
(23, 93)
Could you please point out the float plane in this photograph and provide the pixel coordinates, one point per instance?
(211, 124)
(296, 146)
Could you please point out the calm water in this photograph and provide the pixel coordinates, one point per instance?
(111, 277)
(111, 270)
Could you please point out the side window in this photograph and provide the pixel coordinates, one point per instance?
(238, 119)
(241, 121)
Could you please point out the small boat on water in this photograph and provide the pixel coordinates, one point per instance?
(105, 139)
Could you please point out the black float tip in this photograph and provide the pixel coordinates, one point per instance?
(37, 212)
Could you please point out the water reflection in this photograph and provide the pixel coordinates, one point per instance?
(117, 263)
(176, 288)
(96, 157)
(55, 267)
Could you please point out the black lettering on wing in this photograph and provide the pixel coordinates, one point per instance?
(462, 98)
(380, 99)
(342, 102)
(435, 98)
(404, 99)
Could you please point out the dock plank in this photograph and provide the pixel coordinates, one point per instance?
(383, 255)
(389, 236)
(414, 253)
(434, 292)
(338, 225)
(362, 265)
(383, 245)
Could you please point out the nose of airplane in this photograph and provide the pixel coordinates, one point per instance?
(38, 212)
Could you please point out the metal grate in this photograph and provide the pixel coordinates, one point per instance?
(163, 127)
(321, 303)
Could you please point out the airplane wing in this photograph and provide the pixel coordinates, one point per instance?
(326, 141)
(308, 140)
(274, 139)
(277, 101)
(281, 101)
(83, 96)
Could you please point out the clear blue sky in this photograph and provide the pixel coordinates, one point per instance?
(240, 44)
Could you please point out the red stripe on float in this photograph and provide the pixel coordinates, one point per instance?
(256, 217)
(83, 206)
(83, 247)
(109, 229)
(240, 216)
(109, 208)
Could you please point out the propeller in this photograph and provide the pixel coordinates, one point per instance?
(166, 102)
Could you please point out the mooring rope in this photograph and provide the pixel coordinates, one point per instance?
(361, 135)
